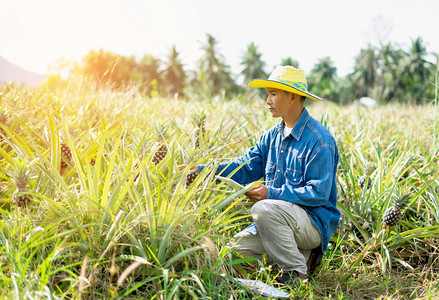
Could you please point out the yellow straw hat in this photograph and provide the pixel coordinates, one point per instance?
(286, 78)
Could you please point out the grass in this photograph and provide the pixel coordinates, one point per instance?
(116, 225)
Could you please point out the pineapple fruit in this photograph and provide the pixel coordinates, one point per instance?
(161, 131)
(20, 176)
(66, 156)
(190, 177)
(393, 214)
(198, 118)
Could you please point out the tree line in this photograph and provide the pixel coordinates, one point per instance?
(386, 73)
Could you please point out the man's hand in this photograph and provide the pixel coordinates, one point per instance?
(181, 167)
(258, 193)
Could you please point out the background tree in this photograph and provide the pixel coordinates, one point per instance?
(253, 64)
(174, 74)
(365, 72)
(148, 75)
(322, 79)
(253, 68)
(415, 72)
(213, 73)
(107, 69)
(386, 73)
(290, 62)
(389, 57)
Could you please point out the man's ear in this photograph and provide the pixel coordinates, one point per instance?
(294, 96)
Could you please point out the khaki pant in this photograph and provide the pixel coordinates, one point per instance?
(285, 233)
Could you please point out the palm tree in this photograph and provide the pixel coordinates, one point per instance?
(322, 78)
(289, 62)
(148, 74)
(214, 74)
(174, 74)
(365, 71)
(389, 60)
(253, 64)
(324, 69)
(415, 70)
(417, 62)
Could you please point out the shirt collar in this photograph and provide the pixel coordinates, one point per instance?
(299, 127)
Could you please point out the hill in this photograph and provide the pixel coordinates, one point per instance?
(13, 73)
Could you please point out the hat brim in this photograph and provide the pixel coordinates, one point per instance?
(265, 83)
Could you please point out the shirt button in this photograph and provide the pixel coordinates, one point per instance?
(278, 170)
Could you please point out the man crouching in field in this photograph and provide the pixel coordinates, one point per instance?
(295, 211)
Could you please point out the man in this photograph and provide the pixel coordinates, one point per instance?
(295, 210)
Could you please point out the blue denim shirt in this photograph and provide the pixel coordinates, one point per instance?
(299, 168)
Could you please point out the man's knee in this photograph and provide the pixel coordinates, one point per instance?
(257, 208)
(261, 207)
(264, 213)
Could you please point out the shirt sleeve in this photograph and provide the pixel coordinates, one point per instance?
(318, 178)
(245, 169)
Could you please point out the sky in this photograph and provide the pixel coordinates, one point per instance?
(35, 34)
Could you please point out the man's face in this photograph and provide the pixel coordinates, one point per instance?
(280, 103)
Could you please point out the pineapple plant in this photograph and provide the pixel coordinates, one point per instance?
(161, 131)
(92, 161)
(3, 120)
(20, 177)
(66, 155)
(410, 162)
(198, 118)
(393, 214)
(365, 179)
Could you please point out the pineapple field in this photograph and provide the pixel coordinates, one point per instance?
(93, 204)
